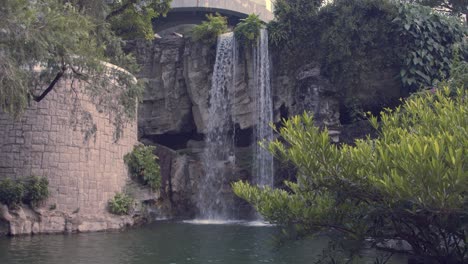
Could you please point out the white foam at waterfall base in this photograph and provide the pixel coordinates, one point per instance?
(227, 222)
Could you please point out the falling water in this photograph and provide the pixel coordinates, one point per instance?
(264, 112)
(219, 147)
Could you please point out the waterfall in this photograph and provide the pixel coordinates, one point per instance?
(263, 160)
(219, 145)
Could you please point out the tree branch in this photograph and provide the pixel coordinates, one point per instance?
(119, 10)
(51, 86)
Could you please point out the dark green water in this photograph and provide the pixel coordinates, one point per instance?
(164, 243)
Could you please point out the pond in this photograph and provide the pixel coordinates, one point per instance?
(167, 243)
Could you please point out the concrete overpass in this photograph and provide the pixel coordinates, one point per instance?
(192, 12)
(231, 7)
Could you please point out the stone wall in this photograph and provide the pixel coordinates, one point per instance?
(67, 140)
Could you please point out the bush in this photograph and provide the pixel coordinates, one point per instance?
(458, 70)
(428, 39)
(120, 204)
(30, 191)
(36, 189)
(209, 30)
(292, 27)
(142, 164)
(357, 41)
(248, 30)
(11, 192)
(408, 184)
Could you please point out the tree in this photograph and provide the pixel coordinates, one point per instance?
(43, 41)
(408, 184)
(456, 7)
(291, 27)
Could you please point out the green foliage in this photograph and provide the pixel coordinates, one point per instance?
(248, 30)
(142, 164)
(455, 7)
(428, 39)
(291, 29)
(356, 42)
(11, 192)
(45, 41)
(127, 18)
(410, 183)
(209, 30)
(133, 18)
(36, 189)
(458, 71)
(120, 204)
(31, 191)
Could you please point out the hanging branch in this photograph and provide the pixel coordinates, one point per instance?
(119, 10)
(51, 85)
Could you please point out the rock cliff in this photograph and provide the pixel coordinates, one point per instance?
(174, 111)
(178, 74)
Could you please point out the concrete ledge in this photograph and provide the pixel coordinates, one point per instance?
(231, 7)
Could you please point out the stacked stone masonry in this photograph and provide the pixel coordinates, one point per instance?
(67, 140)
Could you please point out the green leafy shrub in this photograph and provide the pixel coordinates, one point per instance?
(11, 192)
(208, 31)
(248, 30)
(120, 204)
(408, 184)
(31, 191)
(428, 39)
(458, 70)
(356, 43)
(142, 164)
(36, 189)
(374, 50)
(291, 29)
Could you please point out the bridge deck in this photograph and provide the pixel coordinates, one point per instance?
(233, 7)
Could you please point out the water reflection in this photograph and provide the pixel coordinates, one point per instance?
(164, 243)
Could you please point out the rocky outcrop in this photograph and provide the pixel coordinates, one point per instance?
(174, 113)
(178, 72)
(166, 106)
(27, 221)
(307, 90)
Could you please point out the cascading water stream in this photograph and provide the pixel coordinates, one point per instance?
(219, 145)
(264, 173)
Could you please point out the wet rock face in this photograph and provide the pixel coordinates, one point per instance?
(166, 106)
(174, 113)
(315, 94)
(178, 73)
(26, 221)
